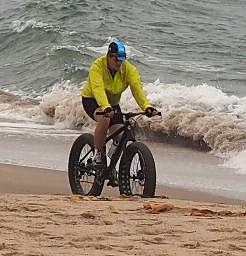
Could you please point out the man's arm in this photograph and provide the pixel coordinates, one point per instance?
(97, 86)
(136, 87)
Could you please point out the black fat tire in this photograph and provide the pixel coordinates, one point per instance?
(74, 157)
(147, 164)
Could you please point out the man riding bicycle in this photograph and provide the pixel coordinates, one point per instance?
(109, 76)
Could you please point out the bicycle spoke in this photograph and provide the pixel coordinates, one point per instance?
(87, 178)
(136, 176)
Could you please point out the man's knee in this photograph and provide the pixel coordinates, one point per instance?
(97, 117)
(102, 120)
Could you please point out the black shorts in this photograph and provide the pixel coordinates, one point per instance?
(90, 105)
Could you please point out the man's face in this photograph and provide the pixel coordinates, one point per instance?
(114, 64)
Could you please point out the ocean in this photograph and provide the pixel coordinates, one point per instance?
(191, 56)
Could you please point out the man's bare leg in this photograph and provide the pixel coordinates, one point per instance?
(101, 129)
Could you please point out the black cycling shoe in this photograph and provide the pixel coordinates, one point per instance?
(96, 162)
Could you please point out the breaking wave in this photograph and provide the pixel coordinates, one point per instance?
(198, 114)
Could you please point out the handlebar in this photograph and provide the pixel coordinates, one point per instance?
(127, 114)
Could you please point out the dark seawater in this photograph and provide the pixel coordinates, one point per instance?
(186, 42)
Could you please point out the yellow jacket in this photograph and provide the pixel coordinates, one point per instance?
(107, 91)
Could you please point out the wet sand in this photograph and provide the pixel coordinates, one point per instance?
(31, 180)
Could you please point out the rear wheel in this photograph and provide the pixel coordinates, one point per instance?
(137, 172)
(84, 180)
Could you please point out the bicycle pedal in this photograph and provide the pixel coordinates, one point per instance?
(113, 183)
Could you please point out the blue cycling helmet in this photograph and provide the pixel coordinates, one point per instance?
(118, 49)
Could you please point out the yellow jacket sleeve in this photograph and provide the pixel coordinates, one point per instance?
(137, 88)
(97, 86)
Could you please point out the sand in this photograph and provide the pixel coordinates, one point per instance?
(39, 216)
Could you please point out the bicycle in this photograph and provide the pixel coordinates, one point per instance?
(136, 169)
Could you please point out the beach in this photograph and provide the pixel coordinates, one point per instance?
(191, 59)
(40, 216)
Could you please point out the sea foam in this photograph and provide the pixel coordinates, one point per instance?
(21, 25)
(202, 114)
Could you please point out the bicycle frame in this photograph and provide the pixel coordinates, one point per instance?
(128, 135)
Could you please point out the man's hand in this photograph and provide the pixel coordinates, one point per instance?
(109, 112)
(150, 111)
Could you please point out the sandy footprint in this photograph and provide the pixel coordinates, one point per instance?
(191, 245)
(235, 247)
(230, 230)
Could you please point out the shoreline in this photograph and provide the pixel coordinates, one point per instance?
(17, 179)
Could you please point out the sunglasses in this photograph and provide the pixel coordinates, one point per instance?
(119, 56)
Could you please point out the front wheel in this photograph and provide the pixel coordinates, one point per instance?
(83, 179)
(137, 172)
